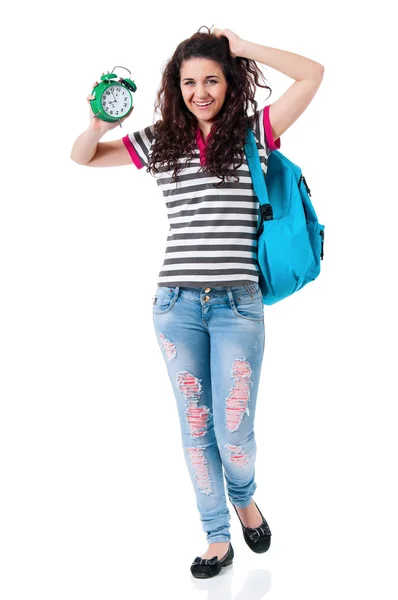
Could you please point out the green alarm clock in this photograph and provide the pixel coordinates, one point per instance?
(113, 100)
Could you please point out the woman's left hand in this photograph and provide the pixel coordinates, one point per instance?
(235, 42)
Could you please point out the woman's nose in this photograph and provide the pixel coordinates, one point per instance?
(201, 91)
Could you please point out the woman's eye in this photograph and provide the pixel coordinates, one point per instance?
(213, 80)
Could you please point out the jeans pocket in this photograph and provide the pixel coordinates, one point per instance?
(164, 299)
(248, 306)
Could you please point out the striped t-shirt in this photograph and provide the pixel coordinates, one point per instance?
(212, 231)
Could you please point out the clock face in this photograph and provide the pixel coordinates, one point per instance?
(116, 101)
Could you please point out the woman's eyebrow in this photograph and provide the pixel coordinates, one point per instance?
(207, 76)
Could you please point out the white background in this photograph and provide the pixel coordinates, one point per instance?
(96, 501)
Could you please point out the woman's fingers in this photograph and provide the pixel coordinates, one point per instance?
(90, 96)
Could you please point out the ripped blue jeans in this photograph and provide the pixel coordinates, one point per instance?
(212, 340)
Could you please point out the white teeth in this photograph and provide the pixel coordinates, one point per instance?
(204, 104)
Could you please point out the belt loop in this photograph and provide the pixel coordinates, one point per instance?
(230, 295)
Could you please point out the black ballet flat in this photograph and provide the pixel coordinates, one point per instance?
(257, 538)
(203, 568)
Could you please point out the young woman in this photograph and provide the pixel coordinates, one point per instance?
(208, 311)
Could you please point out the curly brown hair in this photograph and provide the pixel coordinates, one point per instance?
(175, 132)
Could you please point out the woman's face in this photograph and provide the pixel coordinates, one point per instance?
(202, 80)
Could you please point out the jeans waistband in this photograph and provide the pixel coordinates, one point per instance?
(214, 291)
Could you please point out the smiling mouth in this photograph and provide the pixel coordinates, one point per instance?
(205, 106)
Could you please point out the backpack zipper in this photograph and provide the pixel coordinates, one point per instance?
(321, 233)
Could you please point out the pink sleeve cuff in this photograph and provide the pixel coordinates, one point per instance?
(272, 144)
(132, 151)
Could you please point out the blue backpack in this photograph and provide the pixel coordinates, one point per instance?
(289, 236)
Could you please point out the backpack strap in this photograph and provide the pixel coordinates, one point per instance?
(257, 176)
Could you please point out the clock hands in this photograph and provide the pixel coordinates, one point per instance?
(113, 102)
